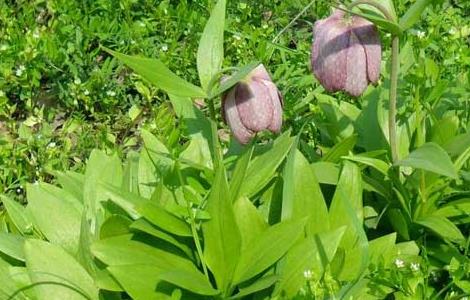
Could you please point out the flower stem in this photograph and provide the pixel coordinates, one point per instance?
(392, 112)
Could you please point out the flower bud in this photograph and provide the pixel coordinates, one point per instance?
(346, 53)
(252, 105)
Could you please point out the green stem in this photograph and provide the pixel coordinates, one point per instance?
(392, 112)
(192, 221)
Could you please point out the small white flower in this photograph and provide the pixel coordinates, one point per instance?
(20, 70)
(36, 34)
(141, 24)
(165, 48)
(414, 267)
(77, 81)
(452, 31)
(237, 37)
(308, 274)
(18, 191)
(111, 93)
(132, 42)
(51, 145)
(86, 92)
(399, 263)
(421, 34)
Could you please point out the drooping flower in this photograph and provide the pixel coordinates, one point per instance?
(253, 105)
(346, 53)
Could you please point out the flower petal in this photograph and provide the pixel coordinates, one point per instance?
(241, 133)
(370, 40)
(329, 53)
(276, 100)
(260, 73)
(356, 79)
(254, 105)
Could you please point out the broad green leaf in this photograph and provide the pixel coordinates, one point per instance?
(18, 214)
(340, 149)
(56, 214)
(114, 226)
(158, 152)
(442, 227)
(123, 250)
(304, 193)
(462, 159)
(101, 168)
(131, 173)
(382, 249)
(268, 249)
(413, 14)
(235, 78)
(399, 223)
(444, 130)
(12, 245)
(159, 75)
(72, 182)
(50, 263)
(238, 176)
(458, 144)
(125, 200)
(194, 282)
(160, 217)
(147, 227)
(197, 154)
(222, 240)
(326, 172)
(140, 281)
(263, 167)
(210, 53)
(249, 221)
(258, 285)
(456, 208)
(9, 286)
(311, 254)
(430, 157)
(375, 163)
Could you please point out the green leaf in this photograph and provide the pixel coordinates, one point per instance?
(18, 215)
(302, 189)
(12, 245)
(268, 248)
(340, 149)
(210, 53)
(375, 163)
(238, 176)
(413, 14)
(160, 217)
(72, 182)
(456, 208)
(56, 274)
(125, 200)
(430, 157)
(380, 21)
(222, 240)
(114, 226)
(140, 281)
(131, 173)
(311, 254)
(159, 75)
(382, 249)
(258, 285)
(250, 222)
(263, 167)
(145, 226)
(158, 152)
(326, 172)
(56, 214)
(442, 227)
(235, 78)
(194, 282)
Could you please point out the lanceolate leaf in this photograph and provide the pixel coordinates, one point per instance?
(268, 248)
(221, 234)
(442, 227)
(413, 13)
(159, 75)
(430, 157)
(65, 277)
(210, 54)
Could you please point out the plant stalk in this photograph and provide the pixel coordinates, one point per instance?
(392, 112)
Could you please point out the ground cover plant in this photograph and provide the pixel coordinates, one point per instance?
(353, 197)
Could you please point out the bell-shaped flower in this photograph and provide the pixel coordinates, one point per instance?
(253, 105)
(346, 53)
